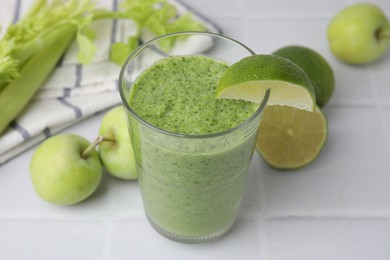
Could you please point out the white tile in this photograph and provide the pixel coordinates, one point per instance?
(124, 197)
(386, 112)
(307, 239)
(350, 176)
(266, 35)
(51, 240)
(136, 239)
(232, 27)
(353, 85)
(380, 77)
(305, 7)
(214, 8)
(251, 203)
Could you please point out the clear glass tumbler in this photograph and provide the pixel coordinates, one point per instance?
(191, 185)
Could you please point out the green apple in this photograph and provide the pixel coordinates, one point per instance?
(64, 171)
(359, 34)
(116, 151)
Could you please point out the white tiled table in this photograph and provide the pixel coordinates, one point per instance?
(336, 208)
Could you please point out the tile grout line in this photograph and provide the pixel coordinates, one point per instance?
(262, 215)
(317, 217)
(97, 217)
(353, 104)
(357, 217)
(287, 15)
(275, 15)
(379, 110)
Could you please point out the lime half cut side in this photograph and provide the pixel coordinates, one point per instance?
(290, 138)
(249, 78)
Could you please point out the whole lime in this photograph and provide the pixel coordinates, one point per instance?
(316, 67)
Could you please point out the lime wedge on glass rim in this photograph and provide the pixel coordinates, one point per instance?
(293, 129)
(249, 78)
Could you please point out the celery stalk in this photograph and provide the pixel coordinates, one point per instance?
(16, 95)
(30, 49)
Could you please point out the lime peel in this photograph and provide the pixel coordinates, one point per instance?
(316, 67)
(249, 78)
(282, 93)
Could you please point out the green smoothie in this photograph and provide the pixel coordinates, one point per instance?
(191, 183)
(177, 94)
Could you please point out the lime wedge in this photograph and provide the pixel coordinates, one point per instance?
(249, 78)
(290, 138)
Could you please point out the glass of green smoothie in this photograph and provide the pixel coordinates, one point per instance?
(192, 150)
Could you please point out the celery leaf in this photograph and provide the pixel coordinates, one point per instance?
(120, 51)
(87, 48)
(43, 19)
(157, 16)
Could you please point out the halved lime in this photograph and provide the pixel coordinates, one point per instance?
(316, 67)
(249, 78)
(291, 138)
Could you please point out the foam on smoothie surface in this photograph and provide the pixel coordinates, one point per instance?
(177, 94)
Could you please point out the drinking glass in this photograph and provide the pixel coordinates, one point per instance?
(191, 185)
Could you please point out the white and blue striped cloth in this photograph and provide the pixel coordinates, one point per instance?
(73, 92)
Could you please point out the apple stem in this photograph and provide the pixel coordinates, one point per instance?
(95, 143)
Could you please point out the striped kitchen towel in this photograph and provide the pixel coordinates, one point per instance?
(73, 92)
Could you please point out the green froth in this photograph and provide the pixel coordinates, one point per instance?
(177, 94)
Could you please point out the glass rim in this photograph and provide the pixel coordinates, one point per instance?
(181, 135)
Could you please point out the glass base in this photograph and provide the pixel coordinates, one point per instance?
(188, 239)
